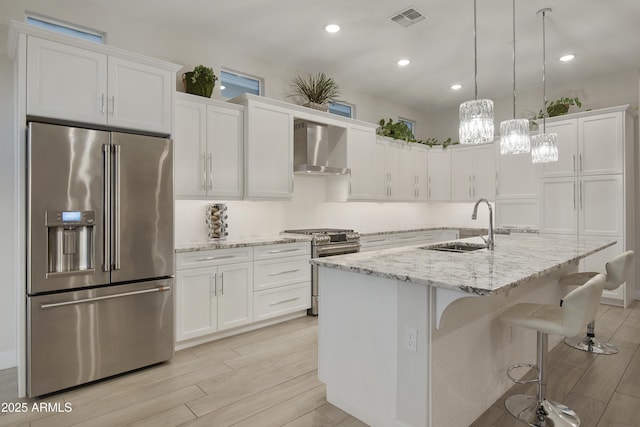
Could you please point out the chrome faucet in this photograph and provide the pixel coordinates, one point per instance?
(489, 241)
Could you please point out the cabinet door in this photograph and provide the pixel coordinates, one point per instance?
(393, 167)
(516, 177)
(224, 151)
(140, 96)
(462, 174)
(235, 295)
(601, 144)
(439, 178)
(190, 138)
(484, 172)
(559, 205)
(566, 165)
(361, 144)
(601, 205)
(196, 312)
(66, 82)
(420, 172)
(269, 157)
(380, 174)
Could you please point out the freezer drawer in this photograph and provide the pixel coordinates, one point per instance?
(81, 336)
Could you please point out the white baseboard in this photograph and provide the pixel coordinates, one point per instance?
(7, 359)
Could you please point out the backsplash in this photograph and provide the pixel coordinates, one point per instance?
(308, 208)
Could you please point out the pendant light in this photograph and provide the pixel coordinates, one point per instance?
(514, 133)
(544, 147)
(476, 116)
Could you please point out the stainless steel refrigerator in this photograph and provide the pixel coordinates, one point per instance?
(100, 254)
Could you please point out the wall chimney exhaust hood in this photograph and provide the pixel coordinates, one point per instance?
(311, 149)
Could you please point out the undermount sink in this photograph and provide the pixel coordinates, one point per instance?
(456, 247)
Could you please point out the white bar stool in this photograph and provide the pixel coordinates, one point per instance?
(566, 319)
(617, 270)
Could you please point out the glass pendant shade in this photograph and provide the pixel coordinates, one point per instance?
(476, 121)
(514, 136)
(544, 148)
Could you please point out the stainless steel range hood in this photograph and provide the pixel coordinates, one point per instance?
(311, 149)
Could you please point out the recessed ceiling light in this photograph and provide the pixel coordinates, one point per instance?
(568, 57)
(403, 62)
(456, 86)
(332, 28)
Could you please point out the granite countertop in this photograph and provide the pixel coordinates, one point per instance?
(236, 243)
(516, 259)
(463, 230)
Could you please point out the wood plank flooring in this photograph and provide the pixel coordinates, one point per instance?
(268, 377)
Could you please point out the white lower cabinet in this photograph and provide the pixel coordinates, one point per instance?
(213, 291)
(282, 279)
(222, 289)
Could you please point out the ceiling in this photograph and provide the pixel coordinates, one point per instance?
(603, 34)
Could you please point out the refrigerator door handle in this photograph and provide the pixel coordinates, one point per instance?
(106, 254)
(116, 208)
(125, 294)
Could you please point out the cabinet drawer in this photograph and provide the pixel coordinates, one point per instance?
(212, 257)
(276, 302)
(282, 250)
(280, 272)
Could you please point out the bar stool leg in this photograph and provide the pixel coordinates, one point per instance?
(536, 410)
(590, 343)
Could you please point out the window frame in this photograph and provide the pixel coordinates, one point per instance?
(350, 105)
(52, 24)
(410, 123)
(260, 80)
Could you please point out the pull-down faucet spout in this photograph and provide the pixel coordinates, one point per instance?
(489, 241)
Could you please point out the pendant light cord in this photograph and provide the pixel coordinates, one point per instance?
(475, 49)
(544, 66)
(514, 59)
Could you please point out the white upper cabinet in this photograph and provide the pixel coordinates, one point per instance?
(361, 142)
(567, 131)
(601, 144)
(97, 86)
(268, 150)
(414, 173)
(208, 142)
(388, 169)
(439, 174)
(139, 96)
(473, 173)
(516, 176)
(66, 82)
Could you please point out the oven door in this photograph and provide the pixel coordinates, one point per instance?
(324, 251)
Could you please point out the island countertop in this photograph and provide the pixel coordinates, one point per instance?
(516, 259)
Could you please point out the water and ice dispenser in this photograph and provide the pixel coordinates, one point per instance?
(70, 241)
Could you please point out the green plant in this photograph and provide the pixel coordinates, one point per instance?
(432, 141)
(315, 88)
(558, 107)
(397, 130)
(200, 81)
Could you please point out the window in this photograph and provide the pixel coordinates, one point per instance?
(342, 109)
(67, 29)
(410, 124)
(233, 84)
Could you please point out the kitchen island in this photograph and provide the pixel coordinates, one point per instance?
(410, 336)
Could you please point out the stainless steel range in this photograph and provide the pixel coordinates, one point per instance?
(327, 242)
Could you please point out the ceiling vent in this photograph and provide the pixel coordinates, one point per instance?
(407, 17)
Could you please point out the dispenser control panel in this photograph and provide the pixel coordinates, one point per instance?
(70, 218)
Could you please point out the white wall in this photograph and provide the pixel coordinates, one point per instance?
(309, 208)
(7, 256)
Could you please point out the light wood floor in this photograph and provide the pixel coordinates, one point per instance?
(268, 377)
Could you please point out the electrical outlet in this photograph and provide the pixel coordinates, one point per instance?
(411, 338)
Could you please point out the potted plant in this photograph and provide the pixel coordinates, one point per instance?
(200, 81)
(316, 90)
(397, 130)
(559, 107)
